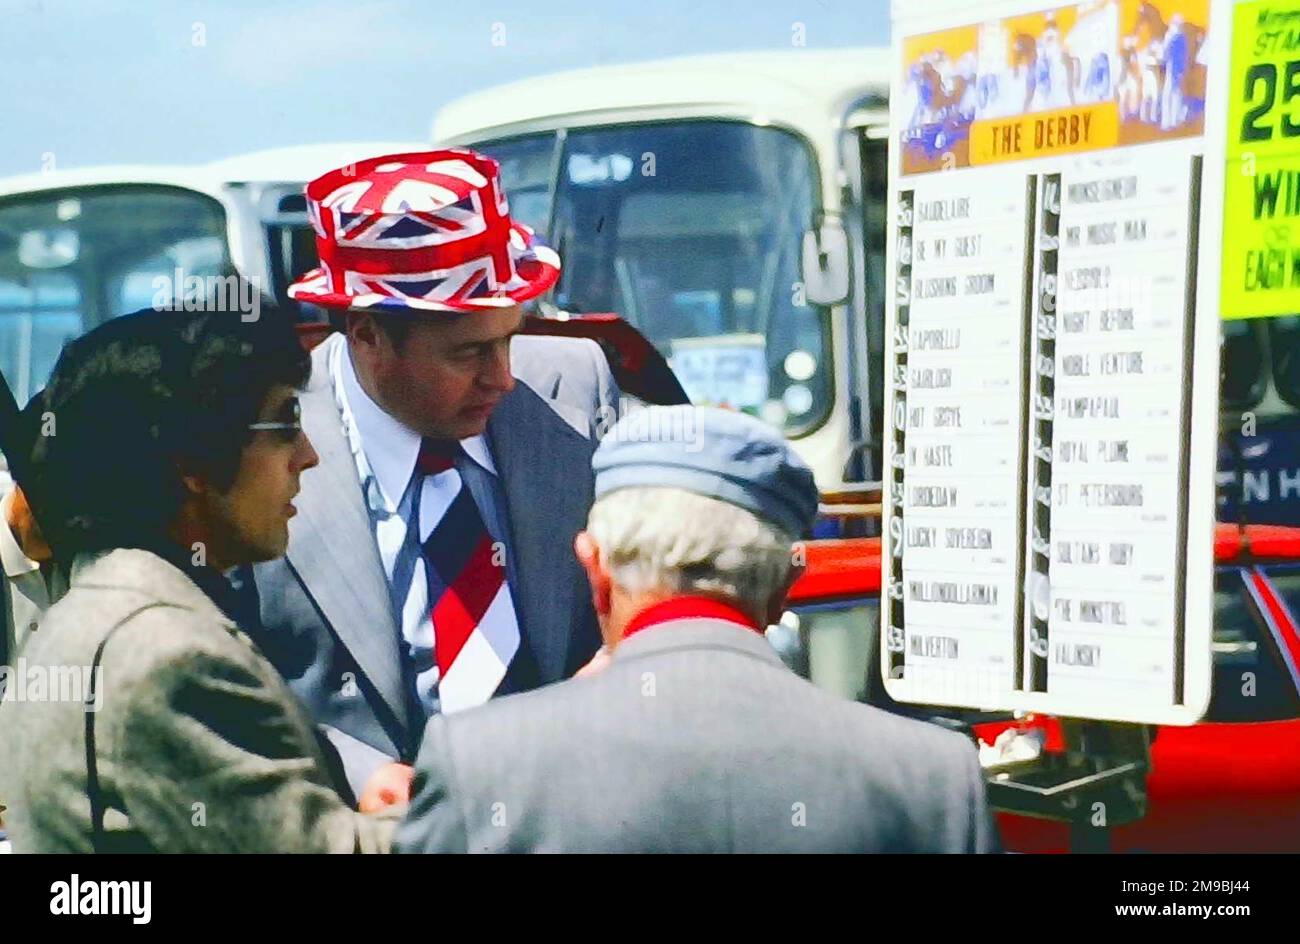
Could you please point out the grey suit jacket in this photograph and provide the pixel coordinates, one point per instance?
(323, 614)
(200, 746)
(695, 739)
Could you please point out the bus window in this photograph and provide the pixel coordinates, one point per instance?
(1284, 341)
(528, 176)
(35, 319)
(1242, 379)
(71, 259)
(152, 281)
(690, 230)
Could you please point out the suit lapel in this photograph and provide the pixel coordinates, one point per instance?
(545, 472)
(332, 548)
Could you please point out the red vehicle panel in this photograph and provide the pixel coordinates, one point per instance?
(1213, 787)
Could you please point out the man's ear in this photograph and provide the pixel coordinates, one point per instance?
(589, 556)
(195, 483)
(798, 564)
(362, 329)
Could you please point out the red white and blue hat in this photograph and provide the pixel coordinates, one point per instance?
(428, 230)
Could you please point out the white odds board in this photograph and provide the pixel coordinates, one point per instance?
(958, 382)
(1053, 394)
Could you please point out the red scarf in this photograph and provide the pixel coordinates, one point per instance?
(689, 607)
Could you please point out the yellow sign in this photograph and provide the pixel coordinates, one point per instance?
(1044, 135)
(1085, 76)
(1261, 200)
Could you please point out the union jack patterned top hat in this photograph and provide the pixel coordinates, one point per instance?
(428, 230)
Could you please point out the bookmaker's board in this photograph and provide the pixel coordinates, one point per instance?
(1052, 378)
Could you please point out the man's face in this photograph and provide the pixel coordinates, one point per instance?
(448, 374)
(250, 520)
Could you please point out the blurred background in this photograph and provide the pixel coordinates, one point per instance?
(97, 81)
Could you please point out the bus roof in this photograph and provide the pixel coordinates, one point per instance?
(176, 175)
(817, 82)
(305, 162)
(290, 165)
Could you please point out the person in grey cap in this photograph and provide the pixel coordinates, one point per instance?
(694, 736)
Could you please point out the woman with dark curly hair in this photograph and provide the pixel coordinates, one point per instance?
(139, 717)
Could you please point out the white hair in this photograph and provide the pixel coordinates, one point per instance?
(669, 539)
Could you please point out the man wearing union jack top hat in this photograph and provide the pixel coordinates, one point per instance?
(430, 563)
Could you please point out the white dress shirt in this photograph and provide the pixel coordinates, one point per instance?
(386, 451)
(29, 594)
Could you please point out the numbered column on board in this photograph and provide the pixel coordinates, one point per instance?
(1110, 464)
(959, 379)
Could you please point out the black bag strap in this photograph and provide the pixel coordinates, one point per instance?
(93, 791)
(92, 768)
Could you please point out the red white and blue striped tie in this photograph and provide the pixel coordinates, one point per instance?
(476, 631)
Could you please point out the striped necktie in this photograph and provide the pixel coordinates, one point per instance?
(476, 631)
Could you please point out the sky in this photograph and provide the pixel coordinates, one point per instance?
(87, 82)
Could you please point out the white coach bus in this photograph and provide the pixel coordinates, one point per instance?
(78, 247)
(732, 209)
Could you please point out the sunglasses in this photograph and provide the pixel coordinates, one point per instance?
(288, 427)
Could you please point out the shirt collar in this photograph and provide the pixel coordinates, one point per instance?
(476, 448)
(689, 608)
(391, 447)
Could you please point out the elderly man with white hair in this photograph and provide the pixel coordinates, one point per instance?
(694, 736)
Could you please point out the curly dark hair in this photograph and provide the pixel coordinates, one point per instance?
(139, 401)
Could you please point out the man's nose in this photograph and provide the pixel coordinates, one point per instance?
(305, 457)
(497, 375)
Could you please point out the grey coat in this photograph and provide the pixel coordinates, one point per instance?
(200, 746)
(323, 614)
(695, 739)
